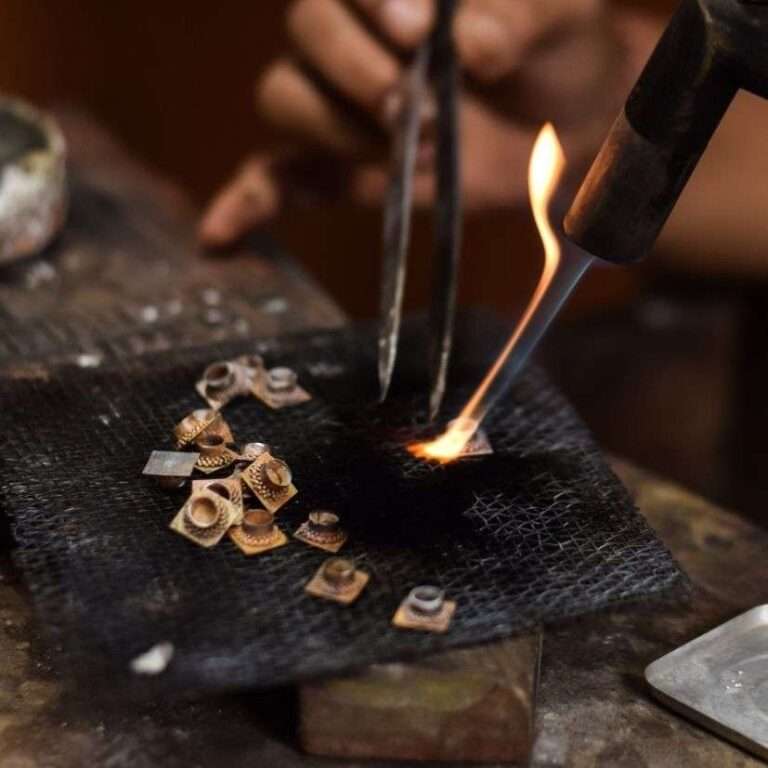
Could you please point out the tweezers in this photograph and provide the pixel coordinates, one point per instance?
(435, 61)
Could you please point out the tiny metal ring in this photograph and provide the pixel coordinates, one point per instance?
(281, 380)
(426, 600)
(339, 572)
(219, 376)
(277, 473)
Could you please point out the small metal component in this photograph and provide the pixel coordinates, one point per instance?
(204, 518)
(253, 364)
(251, 451)
(322, 529)
(281, 381)
(214, 454)
(170, 468)
(257, 533)
(478, 445)
(222, 382)
(279, 388)
(203, 421)
(229, 488)
(337, 579)
(425, 608)
(271, 480)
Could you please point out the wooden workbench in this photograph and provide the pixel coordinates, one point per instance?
(594, 709)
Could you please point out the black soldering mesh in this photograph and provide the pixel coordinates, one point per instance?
(540, 531)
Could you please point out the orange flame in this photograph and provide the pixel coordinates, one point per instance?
(544, 173)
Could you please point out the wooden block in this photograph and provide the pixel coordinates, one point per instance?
(474, 705)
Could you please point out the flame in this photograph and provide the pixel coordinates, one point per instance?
(545, 170)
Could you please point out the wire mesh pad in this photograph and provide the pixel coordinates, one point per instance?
(539, 531)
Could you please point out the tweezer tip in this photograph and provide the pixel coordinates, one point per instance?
(435, 400)
(385, 378)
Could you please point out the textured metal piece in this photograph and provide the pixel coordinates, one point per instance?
(204, 518)
(448, 214)
(397, 216)
(425, 608)
(721, 680)
(203, 421)
(251, 451)
(214, 454)
(257, 533)
(322, 529)
(229, 488)
(337, 579)
(192, 426)
(271, 481)
(279, 388)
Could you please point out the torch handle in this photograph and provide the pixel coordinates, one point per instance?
(655, 143)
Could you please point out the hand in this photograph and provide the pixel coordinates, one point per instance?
(526, 61)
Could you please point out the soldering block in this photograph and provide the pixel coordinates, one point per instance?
(474, 705)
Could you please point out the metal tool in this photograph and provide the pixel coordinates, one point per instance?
(721, 680)
(710, 49)
(435, 59)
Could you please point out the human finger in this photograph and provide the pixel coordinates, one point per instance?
(335, 43)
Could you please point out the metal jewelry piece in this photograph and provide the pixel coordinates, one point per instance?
(477, 445)
(279, 388)
(170, 468)
(251, 451)
(222, 382)
(322, 529)
(204, 518)
(214, 454)
(253, 366)
(228, 488)
(425, 608)
(337, 579)
(257, 533)
(203, 421)
(271, 481)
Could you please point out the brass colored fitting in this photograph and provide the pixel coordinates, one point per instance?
(337, 579)
(204, 519)
(253, 365)
(222, 382)
(323, 530)
(214, 454)
(257, 533)
(425, 608)
(271, 481)
(203, 421)
(228, 488)
(279, 388)
(251, 451)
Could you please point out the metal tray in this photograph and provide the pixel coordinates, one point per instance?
(720, 680)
